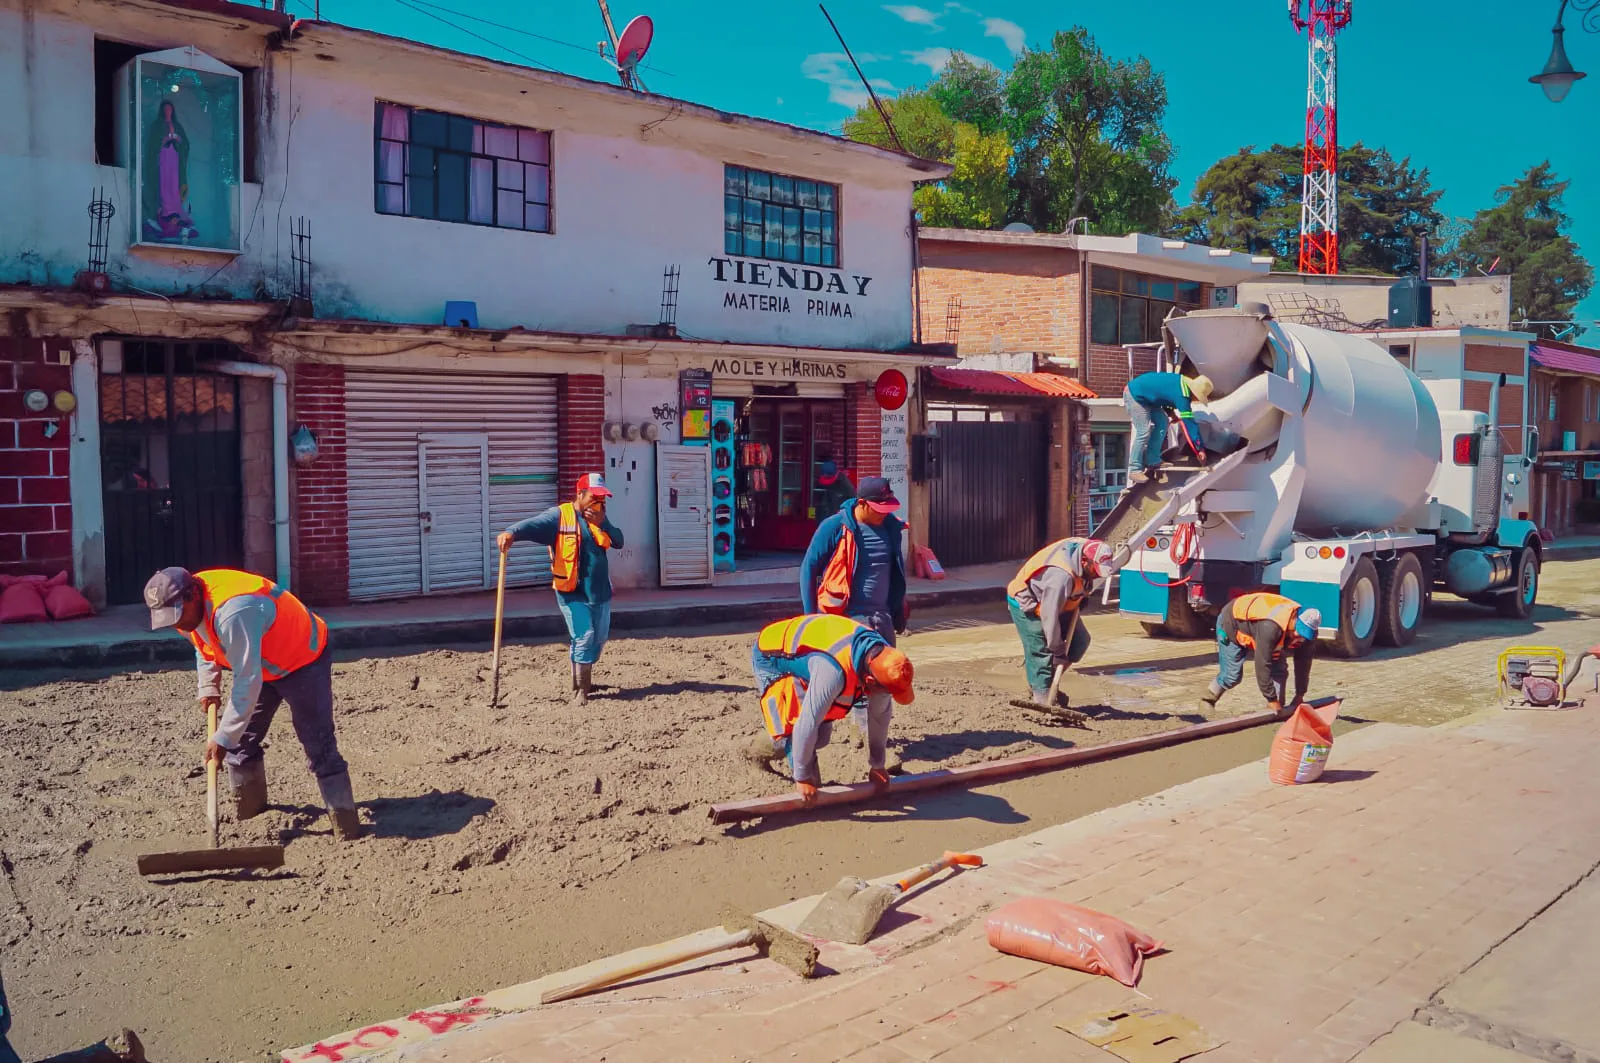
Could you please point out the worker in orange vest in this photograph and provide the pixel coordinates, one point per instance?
(811, 670)
(854, 566)
(578, 534)
(1271, 628)
(1045, 598)
(278, 652)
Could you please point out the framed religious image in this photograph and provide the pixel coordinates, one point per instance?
(183, 135)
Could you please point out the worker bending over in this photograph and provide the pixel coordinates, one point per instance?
(810, 671)
(1045, 598)
(278, 652)
(1269, 627)
(1151, 398)
(578, 534)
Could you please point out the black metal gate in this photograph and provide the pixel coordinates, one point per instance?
(989, 500)
(170, 463)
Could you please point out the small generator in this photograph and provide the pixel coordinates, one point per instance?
(1532, 677)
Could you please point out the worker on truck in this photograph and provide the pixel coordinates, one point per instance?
(853, 567)
(1271, 628)
(1151, 398)
(278, 652)
(811, 670)
(578, 534)
(1045, 598)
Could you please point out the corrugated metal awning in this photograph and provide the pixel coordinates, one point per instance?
(1564, 360)
(994, 382)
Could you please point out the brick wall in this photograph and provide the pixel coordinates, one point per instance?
(35, 498)
(1012, 298)
(321, 515)
(1475, 396)
(581, 415)
(863, 430)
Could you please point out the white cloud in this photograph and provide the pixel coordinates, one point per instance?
(1010, 33)
(844, 88)
(935, 59)
(917, 16)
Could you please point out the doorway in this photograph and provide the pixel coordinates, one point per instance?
(453, 511)
(782, 500)
(172, 480)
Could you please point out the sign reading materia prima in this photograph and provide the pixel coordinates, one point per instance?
(766, 287)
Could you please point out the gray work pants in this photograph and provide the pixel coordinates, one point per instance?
(309, 692)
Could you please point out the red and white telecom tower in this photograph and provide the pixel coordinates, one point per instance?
(1319, 195)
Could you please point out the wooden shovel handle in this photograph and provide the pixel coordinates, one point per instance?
(211, 773)
(655, 958)
(499, 620)
(927, 871)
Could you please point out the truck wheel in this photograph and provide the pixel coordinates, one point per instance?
(1518, 604)
(1402, 602)
(1358, 612)
(1184, 621)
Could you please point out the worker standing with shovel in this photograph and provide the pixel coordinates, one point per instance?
(1045, 598)
(278, 652)
(578, 534)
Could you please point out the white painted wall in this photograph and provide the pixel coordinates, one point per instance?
(629, 199)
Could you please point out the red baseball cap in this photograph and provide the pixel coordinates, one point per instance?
(595, 484)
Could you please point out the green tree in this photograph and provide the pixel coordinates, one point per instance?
(1250, 201)
(1066, 132)
(1524, 231)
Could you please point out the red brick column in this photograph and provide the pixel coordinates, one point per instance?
(582, 413)
(321, 551)
(35, 496)
(863, 430)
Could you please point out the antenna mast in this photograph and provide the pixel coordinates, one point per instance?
(1319, 193)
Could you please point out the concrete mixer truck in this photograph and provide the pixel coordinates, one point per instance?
(1335, 479)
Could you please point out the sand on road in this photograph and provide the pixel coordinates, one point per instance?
(505, 843)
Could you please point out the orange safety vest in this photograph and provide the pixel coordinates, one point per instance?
(564, 554)
(1263, 605)
(296, 637)
(1053, 556)
(817, 633)
(833, 593)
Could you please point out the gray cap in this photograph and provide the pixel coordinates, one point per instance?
(164, 596)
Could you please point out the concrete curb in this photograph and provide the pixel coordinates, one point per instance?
(153, 648)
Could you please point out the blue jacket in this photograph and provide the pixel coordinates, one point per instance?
(594, 569)
(826, 541)
(1166, 391)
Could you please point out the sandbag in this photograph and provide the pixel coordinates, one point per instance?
(22, 600)
(1300, 748)
(63, 602)
(1050, 931)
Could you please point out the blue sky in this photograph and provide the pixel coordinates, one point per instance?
(1445, 83)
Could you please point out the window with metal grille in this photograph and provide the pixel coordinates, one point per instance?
(1130, 307)
(773, 215)
(449, 168)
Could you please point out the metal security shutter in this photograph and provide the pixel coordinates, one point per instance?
(387, 413)
(683, 510)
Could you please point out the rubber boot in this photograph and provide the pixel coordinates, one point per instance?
(341, 804)
(1208, 700)
(249, 785)
(585, 672)
(1041, 698)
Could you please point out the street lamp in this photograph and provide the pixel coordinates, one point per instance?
(1558, 74)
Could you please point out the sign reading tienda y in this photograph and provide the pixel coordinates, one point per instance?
(817, 289)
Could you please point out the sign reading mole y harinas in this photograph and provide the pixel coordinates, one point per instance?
(820, 288)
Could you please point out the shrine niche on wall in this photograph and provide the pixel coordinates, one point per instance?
(182, 136)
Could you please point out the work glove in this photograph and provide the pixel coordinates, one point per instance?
(879, 779)
(808, 793)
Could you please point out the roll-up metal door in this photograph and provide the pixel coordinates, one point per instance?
(387, 416)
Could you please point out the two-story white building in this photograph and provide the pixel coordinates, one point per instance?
(337, 307)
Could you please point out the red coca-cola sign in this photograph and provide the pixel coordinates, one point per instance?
(891, 389)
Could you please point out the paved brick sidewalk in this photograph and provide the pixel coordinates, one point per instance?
(1304, 923)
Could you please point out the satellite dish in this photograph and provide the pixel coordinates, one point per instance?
(631, 46)
(1018, 227)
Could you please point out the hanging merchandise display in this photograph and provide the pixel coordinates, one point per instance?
(723, 412)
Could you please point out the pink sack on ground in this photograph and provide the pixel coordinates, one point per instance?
(1038, 928)
(22, 601)
(63, 602)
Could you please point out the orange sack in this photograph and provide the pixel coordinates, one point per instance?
(1038, 928)
(1300, 748)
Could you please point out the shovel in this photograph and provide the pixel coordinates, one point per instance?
(1064, 715)
(850, 911)
(265, 857)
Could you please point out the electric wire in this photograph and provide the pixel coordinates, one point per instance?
(478, 36)
(529, 33)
